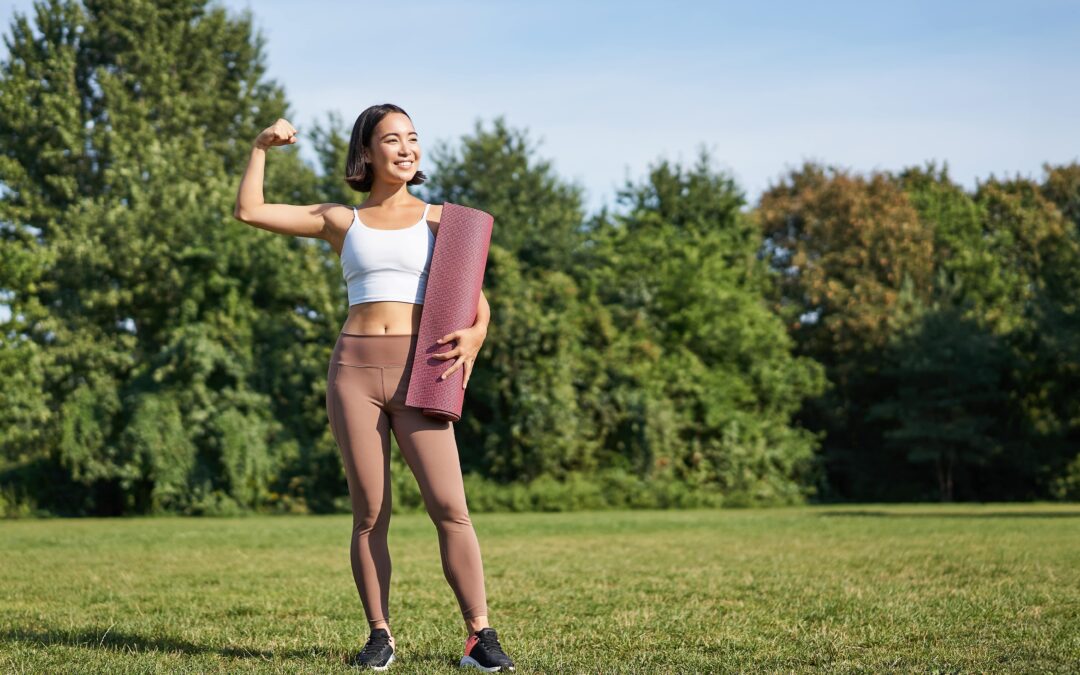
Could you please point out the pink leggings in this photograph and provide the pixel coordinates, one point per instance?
(365, 397)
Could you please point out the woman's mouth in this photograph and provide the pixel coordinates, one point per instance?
(405, 164)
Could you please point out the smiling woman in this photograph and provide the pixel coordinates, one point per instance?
(385, 245)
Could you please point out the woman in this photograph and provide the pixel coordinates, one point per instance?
(385, 249)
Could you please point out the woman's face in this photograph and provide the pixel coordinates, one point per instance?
(394, 141)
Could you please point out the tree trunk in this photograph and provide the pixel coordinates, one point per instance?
(948, 479)
(945, 477)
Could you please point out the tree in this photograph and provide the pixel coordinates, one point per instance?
(143, 316)
(841, 248)
(700, 380)
(946, 403)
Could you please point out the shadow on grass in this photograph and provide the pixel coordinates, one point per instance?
(947, 514)
(104, 638)
(118, 641)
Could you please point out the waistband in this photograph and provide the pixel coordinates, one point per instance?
(380, 349)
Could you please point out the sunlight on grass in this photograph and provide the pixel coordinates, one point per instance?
(865, 587)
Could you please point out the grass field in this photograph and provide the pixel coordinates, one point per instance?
(867, 588)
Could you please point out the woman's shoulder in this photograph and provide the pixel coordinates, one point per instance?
(339, 217)
(434, 216)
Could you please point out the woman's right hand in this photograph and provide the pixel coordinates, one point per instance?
(279, 133)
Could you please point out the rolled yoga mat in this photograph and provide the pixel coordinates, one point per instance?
(452, 293)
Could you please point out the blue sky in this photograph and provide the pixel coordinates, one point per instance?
(607, 88)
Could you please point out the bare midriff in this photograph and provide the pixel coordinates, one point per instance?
(383, 318)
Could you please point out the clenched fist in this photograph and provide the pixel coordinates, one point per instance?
(279, 133)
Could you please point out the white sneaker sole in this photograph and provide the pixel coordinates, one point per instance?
(470, 662)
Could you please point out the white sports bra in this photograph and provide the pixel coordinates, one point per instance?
(387, 264)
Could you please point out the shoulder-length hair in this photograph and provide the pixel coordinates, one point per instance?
(358, 173)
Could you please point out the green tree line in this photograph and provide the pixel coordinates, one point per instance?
(848, 337)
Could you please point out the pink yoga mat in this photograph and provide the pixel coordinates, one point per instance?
(452, 293)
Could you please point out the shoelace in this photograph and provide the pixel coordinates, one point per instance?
(489, 639)
(375, 643)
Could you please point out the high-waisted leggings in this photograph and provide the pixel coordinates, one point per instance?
(366, 386)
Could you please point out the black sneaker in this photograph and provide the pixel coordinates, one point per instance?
(378, 653)
(483, 651)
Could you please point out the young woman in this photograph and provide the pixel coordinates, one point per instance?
(385, 247)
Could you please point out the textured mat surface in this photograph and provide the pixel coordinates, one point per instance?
(453, 288)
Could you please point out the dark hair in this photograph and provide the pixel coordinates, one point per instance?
(358, 173)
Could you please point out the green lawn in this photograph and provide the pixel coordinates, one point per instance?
(866, 588)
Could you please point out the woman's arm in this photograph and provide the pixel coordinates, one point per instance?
(483, 313)
(304, 221)
(469, 340)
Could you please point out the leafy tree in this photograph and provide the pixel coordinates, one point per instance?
(1061, 186)
(842, 247)
(1039, 253)
(143, 318)
(1058, 331)
(1000, 265)
(946, 404)
(698, 378)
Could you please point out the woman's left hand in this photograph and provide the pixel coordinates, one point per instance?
(469, 341)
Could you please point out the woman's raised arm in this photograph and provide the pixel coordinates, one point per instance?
(302, 221)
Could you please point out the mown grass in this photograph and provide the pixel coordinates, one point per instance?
(867, 588)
